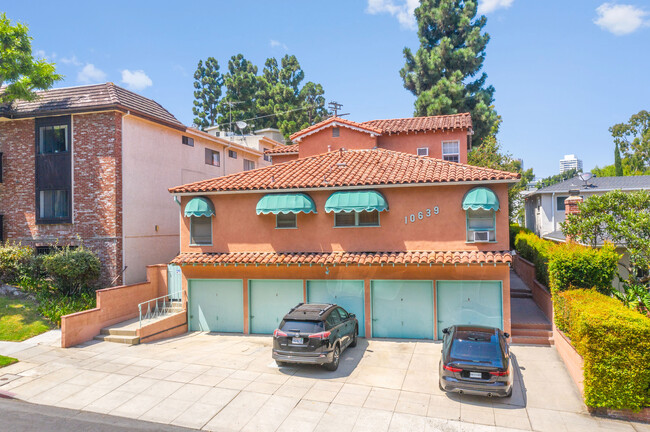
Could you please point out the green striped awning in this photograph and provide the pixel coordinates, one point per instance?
(349, 201)
(199, 206)
(285, 203)
(481, 198)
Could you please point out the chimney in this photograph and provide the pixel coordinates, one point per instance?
(571, 207)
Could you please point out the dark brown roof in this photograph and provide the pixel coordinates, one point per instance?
(359, 258)
(349, 168)
(95, 97)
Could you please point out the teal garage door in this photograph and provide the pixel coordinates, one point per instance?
(270, 300)
(469, 302)
(216, 305)
(402, 309)
(348, 294)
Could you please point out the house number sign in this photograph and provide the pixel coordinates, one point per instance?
(421, 215)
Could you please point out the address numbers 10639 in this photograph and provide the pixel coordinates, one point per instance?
(421, 215)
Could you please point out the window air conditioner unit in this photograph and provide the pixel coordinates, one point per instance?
(481, 236)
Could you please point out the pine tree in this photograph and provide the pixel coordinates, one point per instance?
(445, 74)
(618, 165)
(241, 83)
(207, 84)
(20, 73)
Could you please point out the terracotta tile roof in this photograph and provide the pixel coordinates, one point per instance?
(333, 121)
(421, 124)
(283, 149)
(91, 98)
(348, 168)
(361, 258)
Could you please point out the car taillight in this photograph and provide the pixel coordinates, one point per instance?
(279, 333)
(452, 369)
(321, 335)
(499, 373)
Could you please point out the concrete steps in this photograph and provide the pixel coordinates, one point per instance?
(521, 293)
(124, 339)
(532, 336)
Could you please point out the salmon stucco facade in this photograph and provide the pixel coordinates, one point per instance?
(409, 244)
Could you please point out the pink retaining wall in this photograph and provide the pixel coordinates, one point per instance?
(114, 305)
(526, 271)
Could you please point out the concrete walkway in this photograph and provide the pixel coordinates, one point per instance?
(230, 383)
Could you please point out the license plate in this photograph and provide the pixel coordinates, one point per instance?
(296, 341)
(475, 375)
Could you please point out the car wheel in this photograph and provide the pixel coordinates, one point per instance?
(334, 365)
(354, 339)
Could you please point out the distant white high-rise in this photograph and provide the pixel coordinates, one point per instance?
(570, 162)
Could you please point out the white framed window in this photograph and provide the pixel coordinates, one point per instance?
(249, 165)
(232, 154)
(481, 226)
(423, 151)
(451, 151)
(286, 220)
(200, 231)
(356, 219)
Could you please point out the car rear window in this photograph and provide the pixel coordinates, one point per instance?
(475, 346)
(303, 326)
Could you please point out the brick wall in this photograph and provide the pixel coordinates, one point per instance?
(97, 188)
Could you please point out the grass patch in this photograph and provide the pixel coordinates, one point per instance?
(6, 361)
(20, 320)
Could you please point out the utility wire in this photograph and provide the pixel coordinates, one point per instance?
(271, 115)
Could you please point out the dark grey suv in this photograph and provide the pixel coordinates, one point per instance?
(315, 334)
(476, 360)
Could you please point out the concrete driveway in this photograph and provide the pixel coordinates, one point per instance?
(230, 383)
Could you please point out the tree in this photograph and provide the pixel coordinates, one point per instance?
(557, 178)
(445, 74)
(610, 170)
(490, 155)
(207, 84)
(241, 83)
(633, 138)
(19, 71)
(618, 165)
(624, 219)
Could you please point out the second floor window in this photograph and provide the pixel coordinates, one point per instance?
(232, 154)
(267, 157)
(451, 151)
(285, 220)
(188, 141)
(481, 226)
(53, 139)
(356, 219)
(200, 231)
(212, 157)
(423, 151)
(54, 204)
(249, 165)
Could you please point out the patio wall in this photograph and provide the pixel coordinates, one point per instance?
(115, 304)
(541, 294)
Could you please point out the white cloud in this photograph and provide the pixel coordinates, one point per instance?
(136, 80)
(90, 74)
(71, 60)
(488, 6)
(403, 10)
(620, 19)
(278, 44)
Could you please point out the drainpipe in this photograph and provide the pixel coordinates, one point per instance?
(553, 209)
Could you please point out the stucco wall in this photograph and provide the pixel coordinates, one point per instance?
(409, 143)
(277, 159)
(323, 141)
(237, 227)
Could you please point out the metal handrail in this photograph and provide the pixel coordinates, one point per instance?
(158, 309)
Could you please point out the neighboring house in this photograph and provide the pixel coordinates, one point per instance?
(262, 140)
(447, 137)
(409, 244)
(545, 207)
(92, 165)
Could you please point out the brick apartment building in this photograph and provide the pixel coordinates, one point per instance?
(92, 165)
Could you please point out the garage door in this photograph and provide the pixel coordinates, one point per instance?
(348, 294)
(270, 300)
(469, 302)
(402, 309)
(216, 305)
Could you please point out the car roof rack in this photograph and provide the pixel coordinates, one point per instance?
(296, 307)
(322, 311)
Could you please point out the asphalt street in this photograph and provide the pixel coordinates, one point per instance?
(19, 416)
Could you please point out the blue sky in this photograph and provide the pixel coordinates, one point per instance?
(564, 71)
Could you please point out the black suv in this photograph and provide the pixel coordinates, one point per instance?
(476, 360)
(315, 334)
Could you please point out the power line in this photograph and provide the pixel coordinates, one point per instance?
(269, 115)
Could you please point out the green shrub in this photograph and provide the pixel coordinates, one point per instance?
(72, 270)
(614, 342)
(53, 305)
(14, 262)
(573, 266)
(537, 251)
(514, 230)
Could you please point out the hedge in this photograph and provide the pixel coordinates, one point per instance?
(72, 270)
(537, 251)
(14, 262)
(614, 342)
(514, 230)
